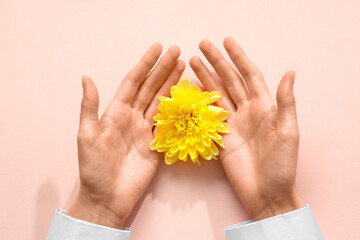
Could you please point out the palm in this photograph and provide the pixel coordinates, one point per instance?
(116, 164)
(260, 152)
(255, 151)
(129, 155)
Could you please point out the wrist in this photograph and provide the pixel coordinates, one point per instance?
(269, 207)
(83, 208)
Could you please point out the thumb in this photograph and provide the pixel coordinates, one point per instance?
(286, 117)
(89, 125)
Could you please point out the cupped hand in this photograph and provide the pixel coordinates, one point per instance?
(261, 151)
(115, 162)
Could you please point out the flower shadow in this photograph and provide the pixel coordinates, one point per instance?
(182, 185)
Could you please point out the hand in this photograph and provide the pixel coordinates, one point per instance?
(261, 151)
(116, 164)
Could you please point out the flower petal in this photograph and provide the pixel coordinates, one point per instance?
(215, 109)
(174, 149)
(184, 83)
(171, 154)
(192, 152)
(214, 149)
(171, 138)
(223, 115)
(214, 96)
(206, 154)
(223, 127)
(200, 146)
(215, 135)
(220, 143)
(183, 154)
(153, 144)
(207, 142)
(170, 160)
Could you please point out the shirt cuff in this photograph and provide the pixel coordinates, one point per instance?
(64, 227)
(295, 225)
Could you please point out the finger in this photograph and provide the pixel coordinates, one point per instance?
(89, 108)
(217, 78)
(206, 78)
(164, 90)
(220, 82)
(253, 77)
(232, 80)
(156, 79)
(130, 85)
(285, 98)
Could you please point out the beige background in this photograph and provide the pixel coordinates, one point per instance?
(45, 47)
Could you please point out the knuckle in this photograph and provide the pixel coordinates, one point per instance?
(220, 61)
(88, 106)
(146, 90)
(147, 62)
(84, 103)
(269, 108)
(85, 136)
(238, 56)
(289, 134)
(138, 107)
(286, 98)
(291, 100)
(254, 75)
(130, 77)
(164, 66)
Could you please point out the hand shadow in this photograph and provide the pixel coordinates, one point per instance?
(48, 200)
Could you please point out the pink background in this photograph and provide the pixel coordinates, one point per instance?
(45, 47)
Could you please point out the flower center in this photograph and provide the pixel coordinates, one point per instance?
(186, 123)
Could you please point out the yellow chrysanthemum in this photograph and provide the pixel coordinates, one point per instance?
(188, 125)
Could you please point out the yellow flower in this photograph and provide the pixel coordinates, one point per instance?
(188, 125)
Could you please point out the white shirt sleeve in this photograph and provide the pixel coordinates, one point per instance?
(64, 227)
(295, 225)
